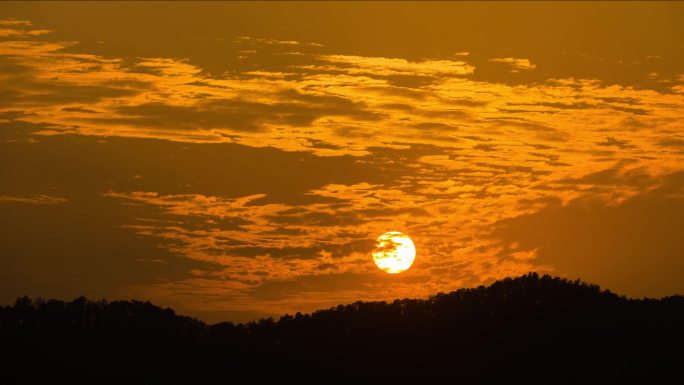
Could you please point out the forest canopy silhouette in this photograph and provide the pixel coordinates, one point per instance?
(536, 329)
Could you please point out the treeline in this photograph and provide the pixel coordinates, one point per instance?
(529, 329)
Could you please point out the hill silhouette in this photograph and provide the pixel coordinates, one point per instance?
(529, 329)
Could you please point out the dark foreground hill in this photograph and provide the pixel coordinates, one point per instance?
(525, 330)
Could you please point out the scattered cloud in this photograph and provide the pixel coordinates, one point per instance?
(263, 188)
(5, 32)
(516, 64)
(242, 39)
(611, 141)
(37, 199)
(15, 23)
(397, 66)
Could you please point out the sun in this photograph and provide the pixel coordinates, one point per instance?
(394, 252)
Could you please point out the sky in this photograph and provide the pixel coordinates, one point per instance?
(238, 160)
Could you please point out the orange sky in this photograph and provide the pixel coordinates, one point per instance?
(235, 160)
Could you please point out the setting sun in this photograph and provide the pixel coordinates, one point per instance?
(394, 252)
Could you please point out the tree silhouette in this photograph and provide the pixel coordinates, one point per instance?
(528, 329)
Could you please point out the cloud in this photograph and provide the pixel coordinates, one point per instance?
(24, 86)
(541, 131)
(396, 66)
(345, 103)
(319, 219)
(22, 33)
(172, 168)
(10, 67)
(15, 23)
(38, 199)
(79, 109)
(336, 250)
(675, 141)
(611, 141)
(588, 106)
(238, 115)
(617, 175)
(243, 39)
(516, 64)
